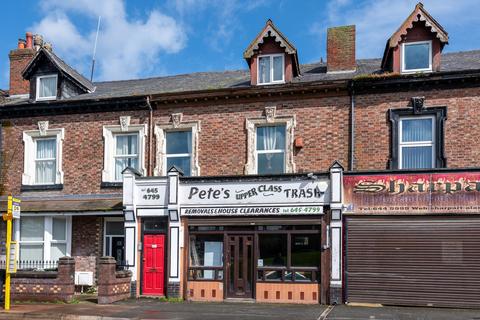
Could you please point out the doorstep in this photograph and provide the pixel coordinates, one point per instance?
(239, 300)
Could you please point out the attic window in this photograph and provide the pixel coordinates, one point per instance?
(271, 69)
(417, 56)
(47, 87)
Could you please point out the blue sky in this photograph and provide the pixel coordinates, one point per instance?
(147, 38)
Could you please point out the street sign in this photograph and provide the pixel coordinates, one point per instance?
(16, 208)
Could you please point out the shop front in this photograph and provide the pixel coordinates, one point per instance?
(264, 239)
(413, 238)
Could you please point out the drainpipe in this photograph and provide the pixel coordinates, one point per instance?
(352, 127)
(150, 138)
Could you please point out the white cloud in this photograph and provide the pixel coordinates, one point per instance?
(377, 20)
(127, 48)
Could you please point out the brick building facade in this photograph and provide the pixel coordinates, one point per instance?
(342, 110)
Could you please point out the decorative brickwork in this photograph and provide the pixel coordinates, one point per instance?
(112, 285)
(45, 285)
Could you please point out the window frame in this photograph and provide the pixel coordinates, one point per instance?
(178, 155)
(430, 58)
(109, 142)
(402, 144)
(105, 235)
(271, 56)
(284, 150)
(48, 240)
(125, 156)
(439, 115)
(30, 150)
(36, 160)
(38, 81)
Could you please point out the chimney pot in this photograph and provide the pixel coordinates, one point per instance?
(341, 49)
(21, 44)
(29, 37)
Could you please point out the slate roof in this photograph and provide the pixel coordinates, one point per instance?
(451, 62)
(63, 66)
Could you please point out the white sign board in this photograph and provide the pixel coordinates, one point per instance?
(16, 209)
(151, 193)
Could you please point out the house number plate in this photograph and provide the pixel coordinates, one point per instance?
(154, 246)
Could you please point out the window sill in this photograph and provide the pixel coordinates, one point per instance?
(41, 187)
(105, 184)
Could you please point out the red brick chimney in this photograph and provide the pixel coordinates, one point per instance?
(341, 49)
(19, 58)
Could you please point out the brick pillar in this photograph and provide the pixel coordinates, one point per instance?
(66, 277)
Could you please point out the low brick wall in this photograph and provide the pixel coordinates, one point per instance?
(45, 285)
(112, 285)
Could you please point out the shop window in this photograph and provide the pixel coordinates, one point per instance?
(43, 239)
(305, 250)
(417, 136)
(124, 145)
(271, 69)
(206, 257)
(114, 239)
(43, 156)
(417, 56)
(270, 149)
(47, 87)
(179, 150)
(272, 250)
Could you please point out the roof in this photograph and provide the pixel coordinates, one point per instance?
(418, 14)
(313, 72)
(62, 66)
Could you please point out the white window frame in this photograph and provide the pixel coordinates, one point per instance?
(402, 144)
(105, 235)
(284, 150)
(48, 234)
(271, 56)
(109, 132)
(161, 156)
(37, 94)
(178, 155)
(251, 126)
(406, 44)
(30, 154)
(133, 155)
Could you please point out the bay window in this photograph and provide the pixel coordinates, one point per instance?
(270, 149)
(179, 150)
(43, 238)
(271, 69)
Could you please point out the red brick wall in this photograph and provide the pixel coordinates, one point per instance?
(372, 131)
(87, 242)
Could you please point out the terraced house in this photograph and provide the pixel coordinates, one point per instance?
(344, 181)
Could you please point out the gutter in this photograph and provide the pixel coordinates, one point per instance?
(150, 138)
(352, 126)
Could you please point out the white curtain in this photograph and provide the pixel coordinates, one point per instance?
(269, 140)
(45, 166)
(264, 69)
(125, 145)
(417, 156)
(189, 141)
(48, 87)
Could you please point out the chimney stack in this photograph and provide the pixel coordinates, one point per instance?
(341, 49)
(19, 58)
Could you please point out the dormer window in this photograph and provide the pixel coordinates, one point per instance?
(47, 87)
(271, 69)
(417, 56)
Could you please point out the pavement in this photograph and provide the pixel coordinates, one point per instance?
(155, 309)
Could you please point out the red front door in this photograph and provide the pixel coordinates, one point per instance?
(153, 264)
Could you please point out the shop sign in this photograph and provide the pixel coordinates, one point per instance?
(151, 194)
(252, 210)
(250, 193)
(413, 193)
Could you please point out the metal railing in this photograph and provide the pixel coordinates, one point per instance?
(33, 265)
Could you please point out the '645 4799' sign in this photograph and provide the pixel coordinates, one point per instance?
(153, 194)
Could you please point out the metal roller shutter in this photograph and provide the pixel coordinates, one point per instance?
(412, 260)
